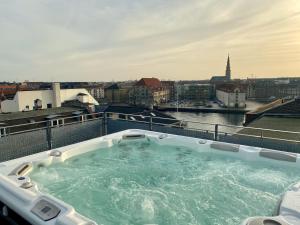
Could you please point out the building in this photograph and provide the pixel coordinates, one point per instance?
(148, 92)
(8, 89)
(43, 99)
(231, 95)
(226, 78)
(264, 89)
(116, 94)
(228, 70)
(171, 87)
(194, 92)
(97, 91)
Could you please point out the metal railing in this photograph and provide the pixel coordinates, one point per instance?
(253, 136)
(50, 123)
(44, 135)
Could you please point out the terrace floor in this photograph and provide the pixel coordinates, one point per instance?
(275, 123)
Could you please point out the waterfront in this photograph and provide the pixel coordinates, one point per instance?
(214, 118)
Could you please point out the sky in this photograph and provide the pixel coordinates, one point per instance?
(110, 40)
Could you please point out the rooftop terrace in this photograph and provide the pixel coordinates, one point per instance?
(15, 141)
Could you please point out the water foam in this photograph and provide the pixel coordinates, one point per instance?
(137, 183)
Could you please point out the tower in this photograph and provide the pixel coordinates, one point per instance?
(56, 95)
(228, 70)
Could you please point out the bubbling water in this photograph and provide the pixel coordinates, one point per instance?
(144, 183)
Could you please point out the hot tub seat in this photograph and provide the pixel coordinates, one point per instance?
(266, 221)
(225, 147)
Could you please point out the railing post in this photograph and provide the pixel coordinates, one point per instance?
(105, 124)
(3, 132)
(150, 123)
(49, 134)
(216, 137)
(261, 138)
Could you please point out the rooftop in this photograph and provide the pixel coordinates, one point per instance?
(218, 79)
(81, 94)
(36, 113)
(275, 123)
(149, 82)
(113, 87)
(231, 87)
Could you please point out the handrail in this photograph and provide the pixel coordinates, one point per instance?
(261, 137)
(7, 128)
(45, 121)
(212, 124)
(104, 115)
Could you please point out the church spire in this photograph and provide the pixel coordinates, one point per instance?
(228, 70)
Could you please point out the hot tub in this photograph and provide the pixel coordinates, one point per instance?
(143, 177)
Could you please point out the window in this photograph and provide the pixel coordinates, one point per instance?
(54, 122)
(49, 106)
(37, 104)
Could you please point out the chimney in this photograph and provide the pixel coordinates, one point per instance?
(56, 95)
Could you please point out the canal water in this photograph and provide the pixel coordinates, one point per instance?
(214, 118)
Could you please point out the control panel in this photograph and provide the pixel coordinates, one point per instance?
(45, 210)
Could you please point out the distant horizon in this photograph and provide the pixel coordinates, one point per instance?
(94, 81)
(171, 39)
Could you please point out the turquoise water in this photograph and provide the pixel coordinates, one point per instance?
(143, 183)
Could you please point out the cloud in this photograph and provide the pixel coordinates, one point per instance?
(105, 39)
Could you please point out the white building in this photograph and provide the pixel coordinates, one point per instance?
(97, 91)
(43, 99)
(231, 97)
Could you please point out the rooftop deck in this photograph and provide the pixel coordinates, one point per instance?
(25, 139)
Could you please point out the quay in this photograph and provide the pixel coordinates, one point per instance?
(203, 109)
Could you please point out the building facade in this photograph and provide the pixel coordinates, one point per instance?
(115, 94)
(232, 96)
(194, 92)
(171, 87)
(43, 99)
(148, 92)
(273, 88)
(97, 91)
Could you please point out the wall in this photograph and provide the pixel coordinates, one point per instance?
(230, 100)
(96, 92)
(223, 97)
(26, 98)
(10, 105)
(144, 96)
(23, 144)
(71, 94)
(83, 98)
(194, 92)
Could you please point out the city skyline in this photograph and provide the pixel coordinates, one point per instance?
(111, 40)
